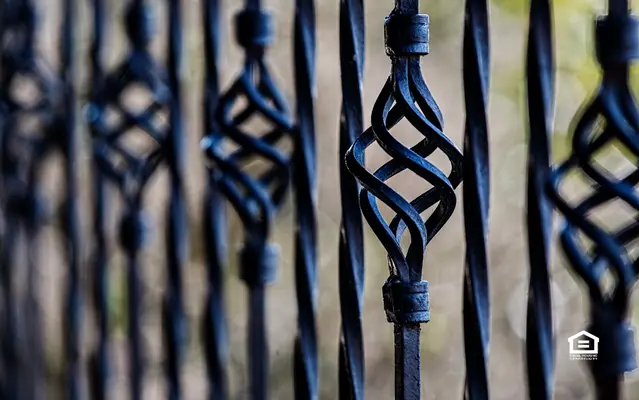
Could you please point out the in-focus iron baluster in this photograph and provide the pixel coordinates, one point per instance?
(540, 90)
(476, 199)
(351, 244)
(611, 118)
(255, 198)
(177, 231)
(130, 170)
(305, 188)
(32, 128)
(214, 224)
(100, 368)
(405, 95)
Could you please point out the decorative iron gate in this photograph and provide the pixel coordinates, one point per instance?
(257, 150)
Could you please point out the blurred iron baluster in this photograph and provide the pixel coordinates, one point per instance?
(126, 169)
(540, 91)
(214, 328)
(476, 199)
(256, 198)
(611, 117)
(20, 159)
(351, 244)
(24, 149)
(405, 94)
(305, 188)
(174, 320)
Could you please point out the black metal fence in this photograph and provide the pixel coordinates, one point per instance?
(133, 118)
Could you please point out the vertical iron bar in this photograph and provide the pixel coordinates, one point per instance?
(540, 91)
(100, 368)
(68, 119)
(35, 352)
(10, 355)
(351, 244)
(214, 225)
(618, 8)
(304, 181)
(257, 343)
(214, 329)
(476, 195)
(177, 230)
(134, 311)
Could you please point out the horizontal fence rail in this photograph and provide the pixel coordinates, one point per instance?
(136, 316)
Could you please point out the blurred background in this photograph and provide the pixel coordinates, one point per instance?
(442, 338)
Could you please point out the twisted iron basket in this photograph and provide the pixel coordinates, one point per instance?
(130, 170)
(405, 95)
(255, 198)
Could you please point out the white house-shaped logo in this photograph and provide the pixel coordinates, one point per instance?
(583, 346)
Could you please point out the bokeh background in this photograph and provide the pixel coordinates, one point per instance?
(442, 338)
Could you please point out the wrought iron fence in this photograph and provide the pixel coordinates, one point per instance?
(257, 151)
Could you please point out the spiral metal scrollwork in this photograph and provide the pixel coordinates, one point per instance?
(37, 109)
(214, 329)
(476, 199)
(255, 198)
(351, 244)
(540, 91)
(610, 119)
(113, 123)
(405, 95)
